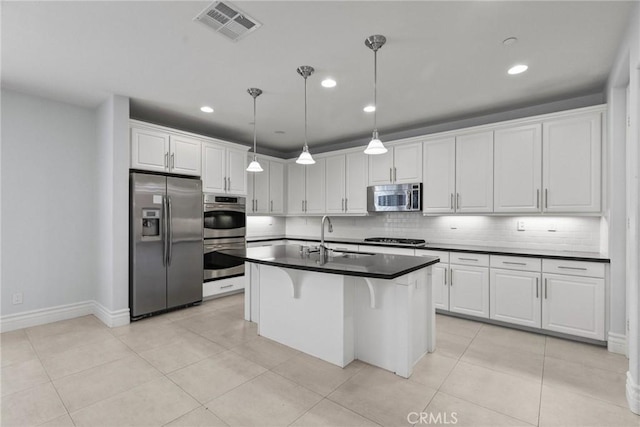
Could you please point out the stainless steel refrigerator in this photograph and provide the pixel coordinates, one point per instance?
(165, 224)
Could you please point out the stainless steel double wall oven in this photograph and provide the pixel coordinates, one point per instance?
(225, 221)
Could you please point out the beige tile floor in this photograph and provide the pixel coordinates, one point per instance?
(206, 366)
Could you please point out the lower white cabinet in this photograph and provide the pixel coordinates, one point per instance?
(573, 305)
(439, 278)
(515, 297)
(469, 290)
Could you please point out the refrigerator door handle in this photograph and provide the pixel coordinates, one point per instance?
(165, 235)
(170, 239)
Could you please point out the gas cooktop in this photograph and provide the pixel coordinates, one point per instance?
(395, 241)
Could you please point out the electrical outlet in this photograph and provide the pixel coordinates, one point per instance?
(16, 298)
(552, 227)
(520, 225)
(453, 225)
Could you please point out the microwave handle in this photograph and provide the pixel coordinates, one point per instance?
(409, 199)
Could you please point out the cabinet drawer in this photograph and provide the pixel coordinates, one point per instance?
(481, 260)
(573, 268)
(223, 286)
(444, 256)
(516, 263)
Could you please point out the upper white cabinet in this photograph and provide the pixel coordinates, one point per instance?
(571, 158)
(439, 186)
(266, 188)
(402, 164)
(346, 183)
(224, 169)
(306, 188)
(161, 151)
(518, 169)
(474, 173)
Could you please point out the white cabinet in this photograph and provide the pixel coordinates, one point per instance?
(573, 303)
(160, 151)
(439, 170)
(223, 169)
(306, 188)
(266, 188)
(515, 297)
(571, 159)
(439, 278)
(469, 284)
(402, 164)
(346, 184)
(474, 173)
(518, 169)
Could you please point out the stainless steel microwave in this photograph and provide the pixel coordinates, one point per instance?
(394, 198)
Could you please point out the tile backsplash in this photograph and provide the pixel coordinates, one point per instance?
(265, 226)
(549, 233)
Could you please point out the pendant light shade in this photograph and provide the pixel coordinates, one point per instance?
(254, 166)
(305, 157)
(375, 145)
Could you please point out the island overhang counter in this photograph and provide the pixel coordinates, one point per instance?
(377, 308)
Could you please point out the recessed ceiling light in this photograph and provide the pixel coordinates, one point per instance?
(279, 132)
(509, 41)
(328, 83)
(369, 108)
(206, 109)
(517, 69)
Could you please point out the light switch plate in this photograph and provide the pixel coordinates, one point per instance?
(520, 225)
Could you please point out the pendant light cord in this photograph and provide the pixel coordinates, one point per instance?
(305, 113)
(375, 90)
(254, 127)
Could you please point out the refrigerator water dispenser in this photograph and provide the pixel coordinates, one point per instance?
(151, 223)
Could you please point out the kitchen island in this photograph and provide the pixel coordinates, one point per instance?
(376, 308)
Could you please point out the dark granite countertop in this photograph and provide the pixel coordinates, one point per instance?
(378, 266)
(532, 253)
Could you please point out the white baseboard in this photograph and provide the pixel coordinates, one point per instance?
(110, 318)
(617, 343)
(633, 394)
(27, 319)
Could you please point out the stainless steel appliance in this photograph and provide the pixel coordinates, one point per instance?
(225, 222)
(219, 267)
(165, 231)
(224, 216)
(397, 241)
(394, 198)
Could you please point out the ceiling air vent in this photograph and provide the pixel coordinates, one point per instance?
(227, 20)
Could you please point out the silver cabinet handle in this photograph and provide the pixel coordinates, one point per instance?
(536, 288)
(173, 160)
(225, 183)
(451, 201)
(346, 204)
(451, 277)
(342, 205)
(302, 206)
(166, 160)
(229, 183)
(514, 263)
(170, 219)
(225, 286)
(468, 259)
(271, 210)
(546, 197)
(538, 198)
(457, 200)
(390, 175)
(395, 174)
(545, 289)
(445, 276)
(256, 205)
(572, 268)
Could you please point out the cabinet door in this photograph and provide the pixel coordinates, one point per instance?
(439, 187)
(261, 188)
(213, 168)
(515, 297)
(276, 187)
(381, 168)
(356, 185)
(236, 172)
(149, 150)
(335, 184)
(185, 155)
(295, 188)
(474, 173)
(518, 169)
(469, 290)
(571, 164)
(440, 285)
(573, 305)
(315, 194)
(407, 163)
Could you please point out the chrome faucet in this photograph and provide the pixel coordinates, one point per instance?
(323, 248)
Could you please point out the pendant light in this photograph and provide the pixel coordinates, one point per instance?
(305, 157)
(375, 145)
(254, 166)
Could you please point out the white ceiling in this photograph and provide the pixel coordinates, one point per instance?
(442, 61)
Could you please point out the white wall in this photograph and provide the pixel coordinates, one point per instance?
(49, 203)
(572, 234)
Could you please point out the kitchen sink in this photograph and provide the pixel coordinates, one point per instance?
(353, 255)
